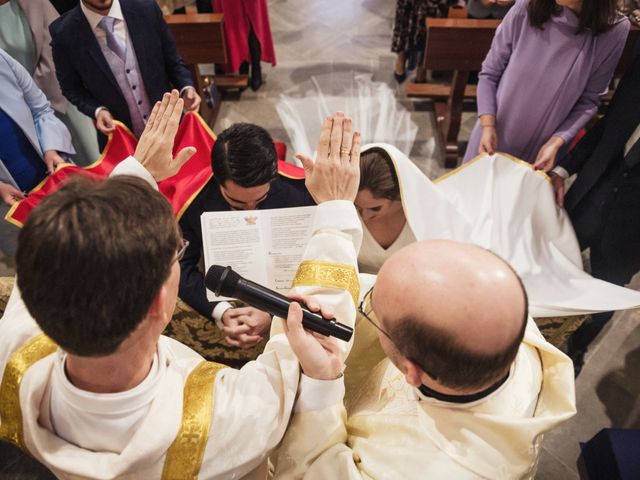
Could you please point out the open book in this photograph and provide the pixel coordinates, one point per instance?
(264, 246)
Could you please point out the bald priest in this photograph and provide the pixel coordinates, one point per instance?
(465, 387)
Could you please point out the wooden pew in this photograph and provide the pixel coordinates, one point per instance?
(460, 45)
(200, 39)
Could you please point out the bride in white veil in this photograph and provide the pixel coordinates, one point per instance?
(501, 204)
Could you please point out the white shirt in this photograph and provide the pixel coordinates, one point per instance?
(94, 19)
(635, 136)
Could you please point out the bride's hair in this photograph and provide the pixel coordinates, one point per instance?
(378, 175)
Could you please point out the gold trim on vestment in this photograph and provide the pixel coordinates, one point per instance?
(482, 155)
(20, 361)
(193, 196)
(184, 457)
(328, 274)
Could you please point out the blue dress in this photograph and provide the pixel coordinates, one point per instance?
(18, 155)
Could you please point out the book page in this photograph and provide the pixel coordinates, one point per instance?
(264, 246)
(288, 235)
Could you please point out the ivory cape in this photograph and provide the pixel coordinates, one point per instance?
(502, 204)
(249, 409)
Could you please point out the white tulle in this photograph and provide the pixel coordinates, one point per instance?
(373, 106)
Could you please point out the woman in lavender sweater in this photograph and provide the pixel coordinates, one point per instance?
(549, 63)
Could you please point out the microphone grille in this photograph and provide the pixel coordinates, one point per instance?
(221, 280)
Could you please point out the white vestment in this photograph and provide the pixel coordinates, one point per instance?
(251, 407)
(502, 204)
(395, 432)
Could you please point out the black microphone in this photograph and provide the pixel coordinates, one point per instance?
(224, 281)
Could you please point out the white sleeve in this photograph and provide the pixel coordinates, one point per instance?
(131, 166)
(253, 406)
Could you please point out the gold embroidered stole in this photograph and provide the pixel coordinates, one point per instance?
(20, 361)
(328, 274)
(185, 454)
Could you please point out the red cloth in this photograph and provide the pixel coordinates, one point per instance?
(180, 189)
(239, 15)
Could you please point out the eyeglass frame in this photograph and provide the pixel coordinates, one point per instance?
(181, 251)
(361, 308)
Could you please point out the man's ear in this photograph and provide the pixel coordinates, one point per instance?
(412, 373)
(156, 310)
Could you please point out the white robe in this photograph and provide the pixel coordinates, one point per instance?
(251, 406)
(394, 432)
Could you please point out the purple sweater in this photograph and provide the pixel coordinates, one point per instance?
(540, 83)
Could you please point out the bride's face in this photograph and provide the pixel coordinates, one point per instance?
(375, 209)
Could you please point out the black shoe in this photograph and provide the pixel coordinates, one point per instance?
(400, 77)
(256, 83)
(256, 76)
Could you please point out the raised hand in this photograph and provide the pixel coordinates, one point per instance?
(154, 150)
(335, 174)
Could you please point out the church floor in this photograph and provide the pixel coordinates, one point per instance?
(320, 37)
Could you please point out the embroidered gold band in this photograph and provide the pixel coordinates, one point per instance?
(20, 361)
(184, 457)
(328, 274)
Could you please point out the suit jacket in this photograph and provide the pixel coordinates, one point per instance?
(84, 74)
(283, 193)
(604, 144)
(27, 106)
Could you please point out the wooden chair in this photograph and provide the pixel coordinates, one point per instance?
(458, 45)
(200, 39)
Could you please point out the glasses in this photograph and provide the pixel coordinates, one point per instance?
(366, 309)
(182, 250)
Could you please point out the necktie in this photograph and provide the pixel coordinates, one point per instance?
(115, 44)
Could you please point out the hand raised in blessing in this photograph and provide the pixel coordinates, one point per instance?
(154, 150)
(335, 174)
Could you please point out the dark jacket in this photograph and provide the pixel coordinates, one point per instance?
(283, 193)
(603, 145)
(84, 74)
